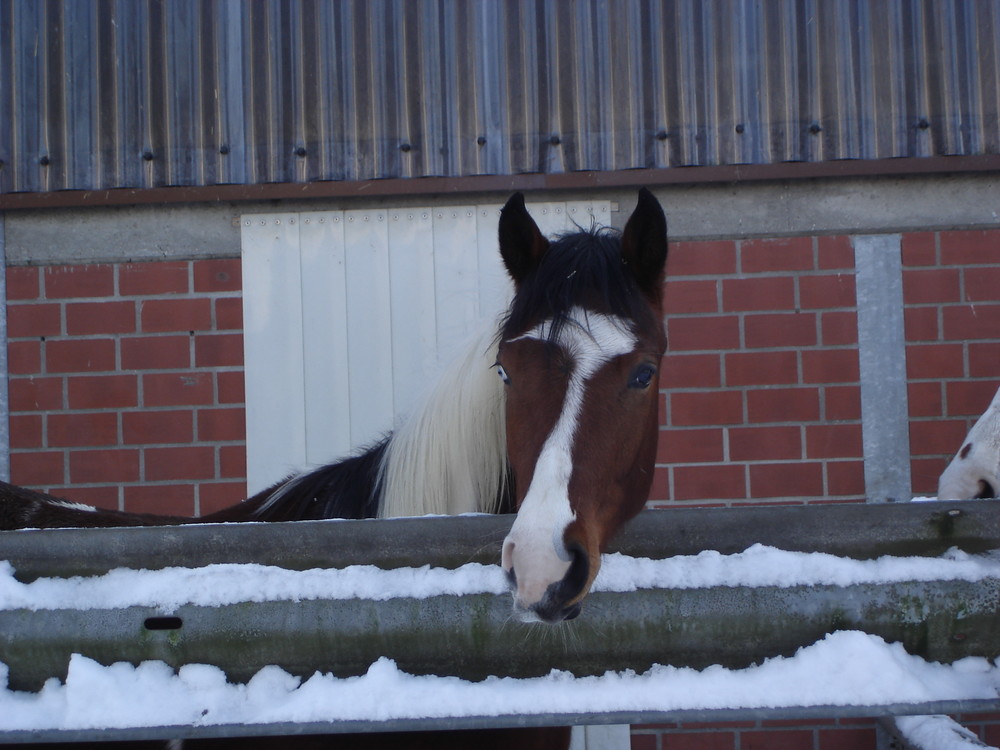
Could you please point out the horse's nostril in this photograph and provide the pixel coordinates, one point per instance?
(577, 575)
(986, 491)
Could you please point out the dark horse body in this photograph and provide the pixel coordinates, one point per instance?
(339, 490)
(565, 436)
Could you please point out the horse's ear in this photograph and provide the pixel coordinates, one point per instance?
(522, 245)
(644, 245)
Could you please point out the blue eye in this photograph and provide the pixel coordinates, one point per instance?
(642, 376)
(502, 373)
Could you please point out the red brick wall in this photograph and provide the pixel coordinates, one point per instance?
(761, 377)
(951, 293)
(126, 383)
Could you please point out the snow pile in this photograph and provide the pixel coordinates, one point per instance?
(217, 585)
(937, 733)
(221, 584)
(845, 668)
(760, 565)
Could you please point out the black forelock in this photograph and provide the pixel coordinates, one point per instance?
(579, 269)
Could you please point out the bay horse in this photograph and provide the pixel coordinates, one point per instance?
(553, 415)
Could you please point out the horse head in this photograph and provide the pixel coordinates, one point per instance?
(579, 355)
(974, 472)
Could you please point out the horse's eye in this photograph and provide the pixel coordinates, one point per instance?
(642, 376)
(503, 374)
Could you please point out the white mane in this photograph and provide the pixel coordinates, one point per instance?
(450, 456)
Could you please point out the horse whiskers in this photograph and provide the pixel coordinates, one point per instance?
(508, 621)
(486, 549)
(563, 634)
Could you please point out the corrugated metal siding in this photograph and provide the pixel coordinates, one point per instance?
(145, 93)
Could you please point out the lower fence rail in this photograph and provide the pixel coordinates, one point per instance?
(687, 716)
(472, 636)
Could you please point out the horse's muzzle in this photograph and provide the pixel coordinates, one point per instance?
(562, 599)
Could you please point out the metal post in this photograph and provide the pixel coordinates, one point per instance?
(882, 360)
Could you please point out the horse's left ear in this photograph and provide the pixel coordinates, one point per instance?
(644, 245)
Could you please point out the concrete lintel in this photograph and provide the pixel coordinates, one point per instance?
(857, 205)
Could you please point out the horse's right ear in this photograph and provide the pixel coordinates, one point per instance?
(522, 245)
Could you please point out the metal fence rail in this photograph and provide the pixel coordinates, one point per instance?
(849, 530)
(472, 636)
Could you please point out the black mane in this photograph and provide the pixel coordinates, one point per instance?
(345, 489)
(579, 269)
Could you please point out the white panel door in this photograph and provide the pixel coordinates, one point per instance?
(273, 347)
(369, 328)
(324, 325)
(495, 288)
(350, 314)
(456, 277)
(414, 303)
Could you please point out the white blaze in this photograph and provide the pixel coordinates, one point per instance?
(534, 547)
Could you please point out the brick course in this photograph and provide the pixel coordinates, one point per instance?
(769, 362)
(780, 350)
(952, 324)
(112, 367)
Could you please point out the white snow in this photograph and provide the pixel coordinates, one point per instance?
(844, 668)
(221, 584)
(937, 732)
(215, 585)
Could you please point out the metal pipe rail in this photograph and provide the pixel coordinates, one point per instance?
(472, 636)
(861, 531)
